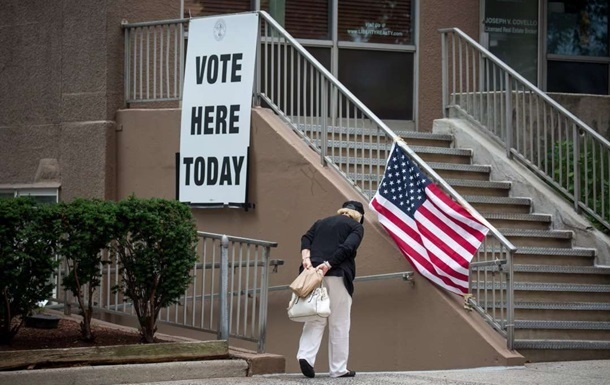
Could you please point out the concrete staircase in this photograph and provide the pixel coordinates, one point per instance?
(562, 302)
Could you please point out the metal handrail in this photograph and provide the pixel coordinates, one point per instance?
(529, 123)
(405, 275)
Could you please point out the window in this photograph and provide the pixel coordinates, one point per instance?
(578, 28)
(383, 81)
(365, 21)
(302, 19)
(43, 195)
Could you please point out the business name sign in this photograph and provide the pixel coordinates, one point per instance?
(216, 103)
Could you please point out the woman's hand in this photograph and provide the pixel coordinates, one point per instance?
(305, 253)
(324, 267)
(306, 263)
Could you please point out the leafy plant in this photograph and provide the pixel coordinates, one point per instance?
(560, 162)
(88, 228)
(28, 237)
(156, 241)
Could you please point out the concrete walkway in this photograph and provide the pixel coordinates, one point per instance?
(556, 373)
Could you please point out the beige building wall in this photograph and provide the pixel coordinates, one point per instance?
(395, 325)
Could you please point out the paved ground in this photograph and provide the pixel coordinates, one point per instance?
(558, 373)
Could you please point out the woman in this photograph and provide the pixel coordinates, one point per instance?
(330, 246)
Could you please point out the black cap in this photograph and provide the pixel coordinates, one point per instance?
(354, 205)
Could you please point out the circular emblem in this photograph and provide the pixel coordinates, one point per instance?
(220, 30)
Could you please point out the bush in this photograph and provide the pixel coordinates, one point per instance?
(88, 228)
(594, 191)
(28, 237)
(156, 246)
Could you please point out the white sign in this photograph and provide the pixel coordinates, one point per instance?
(216, 104)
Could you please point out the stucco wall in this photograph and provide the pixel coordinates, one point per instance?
(395, 326)
(61, 76)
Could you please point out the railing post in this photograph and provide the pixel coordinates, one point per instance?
(324, 113)
(258, 71)
(223, 322)
(510, 306)
(127, 55)
(444, 73)
(575, 160)
(264, 294)
(508, 115)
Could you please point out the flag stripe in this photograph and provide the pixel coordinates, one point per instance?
(448, 239)
(437, 235)
(451, 208)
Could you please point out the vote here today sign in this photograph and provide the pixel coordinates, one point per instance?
(216, 103)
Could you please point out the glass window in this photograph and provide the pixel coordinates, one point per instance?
(578, 27)
(215, 7)
(43, 195)
(383, 81)
(365, 21)
(302, 19)
(513, 34)
(6, 194)
(582, 78)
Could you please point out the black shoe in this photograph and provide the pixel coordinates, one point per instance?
(350, 373)
(306, 369)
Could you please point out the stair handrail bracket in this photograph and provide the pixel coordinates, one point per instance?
(533, 128)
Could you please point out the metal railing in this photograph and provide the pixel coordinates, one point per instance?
(228, 294)
(154, 61)
(354, 141)
(534, 129)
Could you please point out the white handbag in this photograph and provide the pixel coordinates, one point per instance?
(316, 305)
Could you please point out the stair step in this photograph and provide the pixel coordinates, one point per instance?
(545, 355)
(561, 274)
(411, 137)
(563, 325)
(480, 187)
(517, 205)
(554, 256)
(562, 330)
(359, 152)
(553, 292)
(519, 221)
(461, 171)
(538, 238)
(440, 168)
(560, 311)
(376, 165)
(561, 344)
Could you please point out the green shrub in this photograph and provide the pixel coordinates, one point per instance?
(156, 246)
(28, 237)
(88, 228)
(592, 189)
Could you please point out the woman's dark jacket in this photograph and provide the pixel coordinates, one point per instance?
(335, 239)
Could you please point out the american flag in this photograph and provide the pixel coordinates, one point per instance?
(437, 235)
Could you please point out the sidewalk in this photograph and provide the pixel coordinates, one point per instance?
(555, 373)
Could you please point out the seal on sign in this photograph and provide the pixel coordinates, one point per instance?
(220, 30)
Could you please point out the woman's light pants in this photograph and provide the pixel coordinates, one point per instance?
(338, 330)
